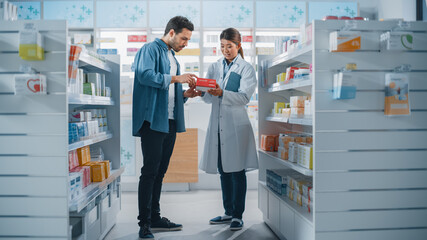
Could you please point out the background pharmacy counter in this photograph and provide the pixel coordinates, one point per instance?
(365, 164)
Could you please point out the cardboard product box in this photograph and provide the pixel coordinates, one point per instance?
(84, 155)
(97, 171)
(300, 139)
(268, 142)
(350, 41)
(278, 106)
(396, 100)
(95, 78)
(309, 140)
(31, 46)
(281, 77)
(290, 193)
(298, 101)
(73, 160)
(297, 112)
(89, 89)
(345, 85)
(299, 184)
(204, 84)
(283, 153)
(72, 185)
(299, 199)
(286, 113)
(30, 84)
(403, 41)
(307, 108)
(306, 188)
(107, 167)
(293, 152)
(85, 171)
(285, 140)
(305, 156)
(77, 116)
(290, 71)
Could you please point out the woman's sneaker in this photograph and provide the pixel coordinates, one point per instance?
(236, 224)
(220, 220)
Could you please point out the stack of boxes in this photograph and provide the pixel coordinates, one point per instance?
(87, 123)
(83, 171)
(289, 183)
(299, 107)
(296, 148)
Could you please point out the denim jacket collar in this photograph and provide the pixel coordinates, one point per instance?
(163, 45)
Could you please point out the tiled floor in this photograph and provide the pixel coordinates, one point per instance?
(192, 209)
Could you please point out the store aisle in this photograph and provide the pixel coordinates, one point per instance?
(193, 210)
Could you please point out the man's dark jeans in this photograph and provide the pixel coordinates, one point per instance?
(157, 148)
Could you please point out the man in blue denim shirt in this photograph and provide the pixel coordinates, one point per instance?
(158, 114)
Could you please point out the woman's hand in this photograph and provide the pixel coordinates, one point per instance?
(216, 92)
(191, 92)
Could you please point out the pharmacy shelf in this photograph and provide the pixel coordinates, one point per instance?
(288, 58)
(93, 64)
(294, 166)
(93, 190)
(277, 119)
(83, 99)
(291, 204)
(96, 139)
(301, 85)
(301, 121)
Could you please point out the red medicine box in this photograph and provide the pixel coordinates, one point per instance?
(204, 84)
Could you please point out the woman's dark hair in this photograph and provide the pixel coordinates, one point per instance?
(177, 24)
(231, 34)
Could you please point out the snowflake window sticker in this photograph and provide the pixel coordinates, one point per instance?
(77, 13)
(28, 10)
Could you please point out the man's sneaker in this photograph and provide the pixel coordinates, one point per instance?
(145, 232)
(165, 225)
(220, 220)
(236, 224)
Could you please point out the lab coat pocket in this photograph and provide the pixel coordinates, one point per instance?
(233, 83)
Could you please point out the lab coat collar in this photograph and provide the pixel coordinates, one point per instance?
(224, 61)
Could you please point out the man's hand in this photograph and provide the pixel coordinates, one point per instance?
(216, 92)
(190, 93)
(185, 78)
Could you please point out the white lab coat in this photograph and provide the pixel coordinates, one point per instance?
(238, 149)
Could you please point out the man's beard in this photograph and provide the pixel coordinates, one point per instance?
(175, 46)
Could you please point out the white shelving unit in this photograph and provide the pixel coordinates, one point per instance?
(34, 182)
(369, 171)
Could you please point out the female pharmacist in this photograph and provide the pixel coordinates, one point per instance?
(230, 145)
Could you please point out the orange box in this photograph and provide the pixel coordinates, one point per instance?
(297, 112)
(97, 171)
(268, 142)
(107, 167)
(204, 84)
(300, 139)
(298, 101)
(83, 155)
(309, 140)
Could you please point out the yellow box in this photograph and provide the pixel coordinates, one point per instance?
(305, 156)
(32, 52)
(278, 106)
(281, 77)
